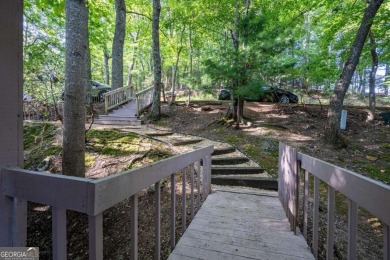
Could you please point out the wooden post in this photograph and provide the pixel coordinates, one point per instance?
(12, 233)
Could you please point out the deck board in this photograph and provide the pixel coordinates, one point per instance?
(241, 224)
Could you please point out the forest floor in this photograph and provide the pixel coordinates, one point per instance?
(366, 150)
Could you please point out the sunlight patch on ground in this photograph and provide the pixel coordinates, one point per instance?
(260, 131)
(277, 116)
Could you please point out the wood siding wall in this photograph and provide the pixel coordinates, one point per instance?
(11, 106)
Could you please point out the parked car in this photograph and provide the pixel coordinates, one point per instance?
(224, 94)
(96, 93)
(268, 94)
(271, 94)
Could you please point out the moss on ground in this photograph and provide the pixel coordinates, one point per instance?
(112, 142)
(37, 133)
(40, 143)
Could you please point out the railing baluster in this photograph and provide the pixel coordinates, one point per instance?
(316, 215)
(19, 223)
(203, 180)
(192, 191)
(157, 188)
(95, 224)
(59, 233)
(173, 212)
(305, 203)
(183, 209)
(330, 227)
(352, 229)
(198, 184)
(386, 242)
(134, 226)
(208, 174)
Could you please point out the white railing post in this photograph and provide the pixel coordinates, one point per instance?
(134, 226)
(352, 230)
(95, 224)
(386, 242)
(184, 206)
(59, 233)
(157, 231)
(173, 213)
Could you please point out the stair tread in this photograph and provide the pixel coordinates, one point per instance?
(238, 177)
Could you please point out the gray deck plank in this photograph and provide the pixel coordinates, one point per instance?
(241, 224)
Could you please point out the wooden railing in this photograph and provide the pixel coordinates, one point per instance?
(365, 192)
(93, 197)
(117, 97)
(144, 99)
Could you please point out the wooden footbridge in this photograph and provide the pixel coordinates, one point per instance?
(241, 224)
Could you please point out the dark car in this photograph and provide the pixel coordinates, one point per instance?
(271, 94)
(224, 94)
(96, 93)
(268, 94)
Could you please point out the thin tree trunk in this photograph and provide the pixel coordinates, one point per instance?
(118, 43)
(387, 73)
(156, 105)
(374, 68)
(73, 156)
(106, 66)
(337, 99)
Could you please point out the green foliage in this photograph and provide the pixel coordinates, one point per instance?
(280, 42)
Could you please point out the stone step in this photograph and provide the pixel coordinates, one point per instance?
(186, 142)
(112, 121)
(118, 117)
(159, 134)
(229, 160)
(253, 182)
(224, 150)
(236, 170)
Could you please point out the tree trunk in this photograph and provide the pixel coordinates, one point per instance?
(73, 156)
(106, 66)
(156, 105)
(374, 68)
(118, 43)
(336, 101)
(387, 73)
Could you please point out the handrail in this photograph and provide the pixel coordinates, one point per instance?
(144, 99)
(360, 190)
(117, 97)
(92, 197)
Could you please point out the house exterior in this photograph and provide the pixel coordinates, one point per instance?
(11, 111)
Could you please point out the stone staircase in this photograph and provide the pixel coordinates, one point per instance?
(124, 115)
(230, 167)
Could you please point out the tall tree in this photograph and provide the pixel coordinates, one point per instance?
(156, 106)
(73, 157)
(118, 43)
(374, 68)
(337, 99)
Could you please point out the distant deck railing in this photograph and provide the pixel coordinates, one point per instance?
(365, 192)
(144, 99)
(33, 110)
(117, 97)
(93, 197)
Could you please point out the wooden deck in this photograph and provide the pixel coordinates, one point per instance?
(241, 224)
